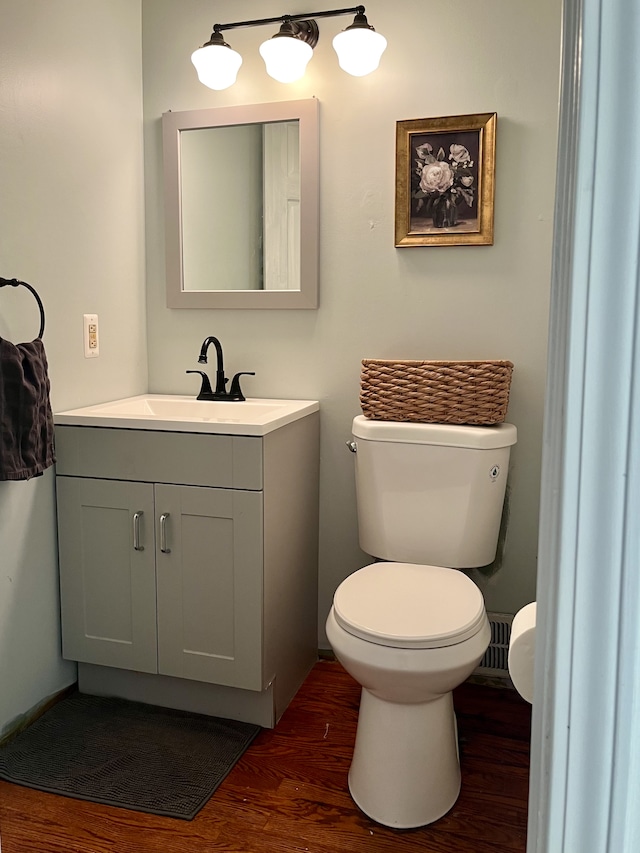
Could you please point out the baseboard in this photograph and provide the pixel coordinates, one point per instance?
(326, 654)
(19, 724)
(498, 681)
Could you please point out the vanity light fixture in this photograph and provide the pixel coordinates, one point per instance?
(217, 63)
(286, 54)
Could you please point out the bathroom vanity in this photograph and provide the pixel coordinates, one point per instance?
(188, 551)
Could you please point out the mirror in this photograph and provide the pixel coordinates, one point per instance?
(241, 206)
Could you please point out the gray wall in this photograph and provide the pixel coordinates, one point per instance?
(375, 300)
(71, 224)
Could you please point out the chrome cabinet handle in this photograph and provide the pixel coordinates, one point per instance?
(136, 531)
(163, 533)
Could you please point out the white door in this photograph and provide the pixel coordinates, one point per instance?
(282, 206)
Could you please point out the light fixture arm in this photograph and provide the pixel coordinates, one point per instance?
(357, 10)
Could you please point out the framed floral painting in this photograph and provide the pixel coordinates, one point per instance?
(445, 171)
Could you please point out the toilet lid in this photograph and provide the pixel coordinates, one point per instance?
(409, 606)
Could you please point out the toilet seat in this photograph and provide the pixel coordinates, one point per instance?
(408, 606)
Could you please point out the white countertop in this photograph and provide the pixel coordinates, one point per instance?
(172, 413)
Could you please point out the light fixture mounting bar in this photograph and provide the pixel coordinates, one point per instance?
(358, 10)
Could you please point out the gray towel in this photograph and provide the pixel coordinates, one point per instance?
(26, 420)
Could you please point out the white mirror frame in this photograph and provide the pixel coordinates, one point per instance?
(306, 113)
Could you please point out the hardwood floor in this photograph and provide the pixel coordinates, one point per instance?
(289, 791)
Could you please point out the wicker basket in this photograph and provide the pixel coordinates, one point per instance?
(445, 392)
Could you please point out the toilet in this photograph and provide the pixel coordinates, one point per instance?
(407, 627)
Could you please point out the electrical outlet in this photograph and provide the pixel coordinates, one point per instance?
(91, 340)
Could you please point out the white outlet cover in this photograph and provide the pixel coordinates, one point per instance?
(91, 337)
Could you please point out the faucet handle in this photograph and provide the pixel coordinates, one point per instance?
(235, 392)
(205, 389)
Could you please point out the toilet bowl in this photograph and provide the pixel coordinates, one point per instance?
(409, 635)
(410, 627)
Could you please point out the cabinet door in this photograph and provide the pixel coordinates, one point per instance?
(107, 572)
(209, 577)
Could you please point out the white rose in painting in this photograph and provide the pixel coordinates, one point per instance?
(436, 177)
(458, 153)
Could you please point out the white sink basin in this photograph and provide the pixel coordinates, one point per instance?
(186, 414)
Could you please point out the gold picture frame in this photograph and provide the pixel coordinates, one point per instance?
(445, 181)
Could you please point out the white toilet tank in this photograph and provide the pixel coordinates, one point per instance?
(431, 493)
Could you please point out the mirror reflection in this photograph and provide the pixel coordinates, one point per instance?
(241, 206)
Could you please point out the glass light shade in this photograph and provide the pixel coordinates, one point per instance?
(285, 57)
(359, 50)
(217, 65)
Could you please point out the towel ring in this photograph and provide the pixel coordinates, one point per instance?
(15, 283)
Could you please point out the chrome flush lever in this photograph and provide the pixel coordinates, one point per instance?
(353, 447)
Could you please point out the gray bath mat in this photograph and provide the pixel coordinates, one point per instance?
(126, 754)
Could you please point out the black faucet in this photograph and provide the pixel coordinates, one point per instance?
(221, 380)
(221, 393)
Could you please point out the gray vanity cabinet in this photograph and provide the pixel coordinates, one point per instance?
(162, 578)
(188, 565)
